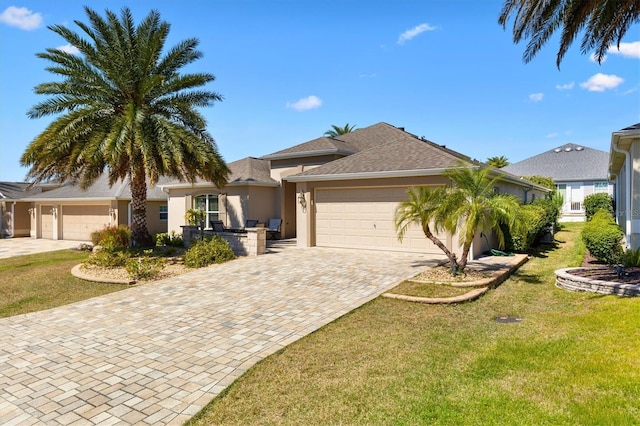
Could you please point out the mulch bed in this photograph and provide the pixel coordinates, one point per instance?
(605, 273)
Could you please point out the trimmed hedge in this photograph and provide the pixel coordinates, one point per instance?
(595, 202)
(602, 236)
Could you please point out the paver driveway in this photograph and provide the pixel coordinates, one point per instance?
(160, 352)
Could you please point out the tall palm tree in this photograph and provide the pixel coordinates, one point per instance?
(337, 130)
(468, 205)
(498, 162)
(123, 108)
(602, 22)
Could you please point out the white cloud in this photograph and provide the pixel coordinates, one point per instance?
(628, 50)
(69, 49)
(552, 135)
(601, 82)
(304, 104)
(413, 32)
(536, 97)
(21, 17)
(567, 86)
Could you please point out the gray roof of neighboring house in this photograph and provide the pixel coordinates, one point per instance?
(100, 190)
(568, 162)
(13, 191)
(633, 127)
(246, 171)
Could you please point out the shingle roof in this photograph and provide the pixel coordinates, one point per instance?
(12, 191)
(569, 162)
(319, 146)
(385, 148)
(634, 127)
(100, 190)
(246, 171)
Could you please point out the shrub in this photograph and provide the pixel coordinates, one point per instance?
(595, 202)
(143, 267)
(531, 219)
(551, 210)
(631, 258)
(206, 252)
(171, 240)
(602, 237)
(108, 258)
(113, 236)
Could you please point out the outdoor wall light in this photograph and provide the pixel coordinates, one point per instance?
(302, 200)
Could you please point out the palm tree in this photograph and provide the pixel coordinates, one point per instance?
(123, 108)
(602, 22)
(337, 130)
(498, 162)
(468, 205)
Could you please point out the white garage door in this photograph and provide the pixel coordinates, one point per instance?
(78, 222)
(363, 218)
(46, 222)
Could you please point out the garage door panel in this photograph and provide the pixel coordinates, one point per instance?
(363, 218)
(78, 222)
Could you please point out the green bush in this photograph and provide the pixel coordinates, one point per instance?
(551, 210)
(113, 237)
(108, 258)
(602, 236)
(631, 258)
(208, 251)
(143, 267)
(531, 219)
(595, 202)
(170, 240)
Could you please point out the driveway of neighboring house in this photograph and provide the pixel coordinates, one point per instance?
(10, 247)
(158, 353)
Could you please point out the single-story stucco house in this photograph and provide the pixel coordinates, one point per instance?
(624, 170)
(70, 213)
(577, 170)
(336, 192)
(14, 210)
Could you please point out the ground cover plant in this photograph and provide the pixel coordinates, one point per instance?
(41, 281)
(571, 360)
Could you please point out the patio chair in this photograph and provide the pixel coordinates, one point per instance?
(250, 223)
(217, 226)
(273, 228)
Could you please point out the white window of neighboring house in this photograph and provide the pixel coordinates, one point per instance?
(601, 187)
(164, 213)
(209, 204)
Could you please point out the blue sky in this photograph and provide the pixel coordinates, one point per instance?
(288, 70)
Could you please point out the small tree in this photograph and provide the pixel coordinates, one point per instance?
(337, 130)
(498, 162)
(468, 205)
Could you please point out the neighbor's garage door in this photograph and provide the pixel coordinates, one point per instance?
(46, 222)
(363, 218)
(78, 222)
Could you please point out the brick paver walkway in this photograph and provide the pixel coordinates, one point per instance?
(158, 353)
(10, 247)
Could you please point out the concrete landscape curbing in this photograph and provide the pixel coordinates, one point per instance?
(500, 272)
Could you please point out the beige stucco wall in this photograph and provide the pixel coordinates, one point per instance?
(237, 204)
(154, 224)
(15, 218)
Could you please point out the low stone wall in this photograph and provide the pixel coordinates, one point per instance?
(571, 282)
(252, 242)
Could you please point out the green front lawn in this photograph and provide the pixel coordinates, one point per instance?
(573, 360)
(42, 281)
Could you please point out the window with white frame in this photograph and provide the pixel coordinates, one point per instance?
(601, 188)
(209, 204)
(164, 213)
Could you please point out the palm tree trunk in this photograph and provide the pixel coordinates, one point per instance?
(452, 256)
(465, 256)
(139, 234)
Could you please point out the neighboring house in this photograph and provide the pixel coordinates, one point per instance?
(14, 211)
(624, 170)
(336, 192)
(577, 171)
(70, 213)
